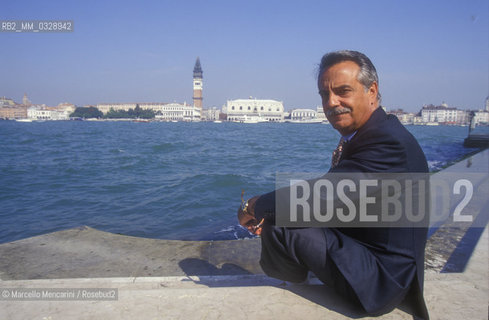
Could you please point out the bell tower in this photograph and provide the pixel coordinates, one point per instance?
(26, 101)
(197, 98)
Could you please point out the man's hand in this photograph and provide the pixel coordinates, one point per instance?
(246, 216)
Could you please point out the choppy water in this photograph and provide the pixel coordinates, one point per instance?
(161, 180)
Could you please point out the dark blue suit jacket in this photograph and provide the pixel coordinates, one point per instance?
(393, 268)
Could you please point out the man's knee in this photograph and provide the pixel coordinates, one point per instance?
(276, 260)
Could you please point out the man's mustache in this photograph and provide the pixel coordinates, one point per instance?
(338, 110)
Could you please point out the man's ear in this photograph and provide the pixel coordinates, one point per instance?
(373, 92)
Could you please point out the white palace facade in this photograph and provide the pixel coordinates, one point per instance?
(254, 110)
(303, 115)
(42, 112)
(178, 112)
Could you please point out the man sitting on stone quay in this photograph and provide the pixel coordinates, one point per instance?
(378, 268)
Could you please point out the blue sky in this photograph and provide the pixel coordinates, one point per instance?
(144, 51)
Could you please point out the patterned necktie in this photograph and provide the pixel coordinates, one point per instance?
(335, 158)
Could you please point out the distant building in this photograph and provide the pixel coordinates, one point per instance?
(167, 111)
(405, 118)
(42, 112)
(13, 112)
(67, 107)
(7, 102)
(106, 107)
(418, 120)
(26, 101)
(461, 117)
(320, 114)
(198, 85)
(46, 113)
(481, 117)
(164, 111)
(443, 115)
(251, 110)
(177, 112)
(9, 109)
(303, 115)
(211, 114)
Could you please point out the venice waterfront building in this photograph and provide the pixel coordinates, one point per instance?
(303, 115)
(11, 110)
(106, 107)
(42, 112)
(481, 117)
(198, 85)
(168, 111)
(254, 110)
(7, 102)
(443, 114)
(211, 114)
(15, 112)
(164, 111)
(178, 112)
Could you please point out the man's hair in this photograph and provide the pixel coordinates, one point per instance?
(367, 74)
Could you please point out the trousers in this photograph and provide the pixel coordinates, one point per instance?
(290, 253)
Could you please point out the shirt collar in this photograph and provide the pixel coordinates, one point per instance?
(348, 137)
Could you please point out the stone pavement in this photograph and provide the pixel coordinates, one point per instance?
(242, 296)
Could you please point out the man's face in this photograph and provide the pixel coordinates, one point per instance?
(346, 103)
